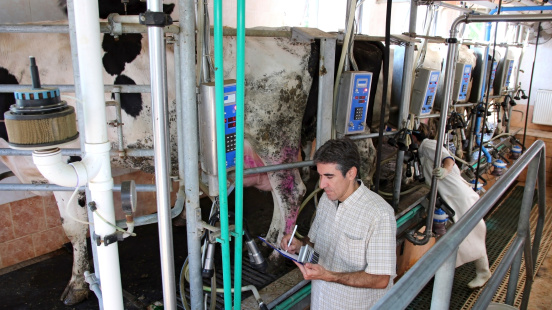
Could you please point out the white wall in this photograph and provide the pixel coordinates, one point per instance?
(543, 67)
(24, 11)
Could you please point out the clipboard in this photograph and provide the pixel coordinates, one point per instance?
(293, 257)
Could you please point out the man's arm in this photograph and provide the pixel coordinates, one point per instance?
(354, 279)
(448, 163)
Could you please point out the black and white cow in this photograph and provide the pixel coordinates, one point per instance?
(277, 86)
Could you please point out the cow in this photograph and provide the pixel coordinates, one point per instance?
(277, 83)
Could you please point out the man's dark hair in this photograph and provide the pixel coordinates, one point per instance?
(342, 152)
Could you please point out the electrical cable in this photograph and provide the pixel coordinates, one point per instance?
(531, 87)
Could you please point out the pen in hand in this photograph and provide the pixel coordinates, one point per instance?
(291, 238)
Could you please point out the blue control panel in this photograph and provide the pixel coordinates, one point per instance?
(484, 87)
(430, 92)
(464, 83)
(230, 124)
(359, 102)
(510, 64)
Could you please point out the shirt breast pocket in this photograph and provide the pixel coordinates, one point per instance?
(352, 252)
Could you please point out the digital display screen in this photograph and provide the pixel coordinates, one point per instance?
(434, 77)
(362, 83)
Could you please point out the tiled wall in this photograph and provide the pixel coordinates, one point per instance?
(29, 228)
(32, 227)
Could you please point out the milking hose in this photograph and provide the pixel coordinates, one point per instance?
(184, 274)
(408, 191)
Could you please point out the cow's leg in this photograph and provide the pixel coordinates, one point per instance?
(288, 190)
(368, 163)
(77, 289)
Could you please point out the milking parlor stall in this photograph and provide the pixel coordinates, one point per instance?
(154, 154)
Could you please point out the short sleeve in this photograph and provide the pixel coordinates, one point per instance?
(381, 252)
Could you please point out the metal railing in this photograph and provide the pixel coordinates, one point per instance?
(440, 260)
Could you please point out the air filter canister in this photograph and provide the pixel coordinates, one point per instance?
(39, 119)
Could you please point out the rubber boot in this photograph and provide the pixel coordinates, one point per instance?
(482, 273)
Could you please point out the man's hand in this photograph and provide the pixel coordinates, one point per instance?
(440, 173)
(295, 245)
(314, 271)
(354, 279)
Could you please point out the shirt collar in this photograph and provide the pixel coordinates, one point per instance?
(354, 196)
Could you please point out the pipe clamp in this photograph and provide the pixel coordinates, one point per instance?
(155, 19)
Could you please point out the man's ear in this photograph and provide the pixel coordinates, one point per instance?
(352, 173)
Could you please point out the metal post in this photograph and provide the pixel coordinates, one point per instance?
(325, 90)
(162, 155)
(119, 118)
(530, 268)
(523, 232)
(442, 286)
(186, 49)
(405, 101)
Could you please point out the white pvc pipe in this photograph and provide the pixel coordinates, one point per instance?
(97, 145)
(126, 19)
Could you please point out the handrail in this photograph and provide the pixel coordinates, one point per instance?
(437, 259)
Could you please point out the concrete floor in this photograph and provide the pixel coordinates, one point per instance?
(541, 293)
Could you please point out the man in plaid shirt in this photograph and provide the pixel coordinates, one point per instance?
(354, 233)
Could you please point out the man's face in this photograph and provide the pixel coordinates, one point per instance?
(336, 186)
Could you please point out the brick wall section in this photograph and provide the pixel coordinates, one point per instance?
(32, 227)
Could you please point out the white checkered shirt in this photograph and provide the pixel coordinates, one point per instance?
(357, 235)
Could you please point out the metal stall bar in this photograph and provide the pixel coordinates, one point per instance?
(188, 107)
(104, 28)
(8, 88)
(405, 101)
(158, 77)
(406, 289)
(78, 152)
(54, 187)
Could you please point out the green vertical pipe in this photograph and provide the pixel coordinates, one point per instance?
(221, 157)
(240, 59)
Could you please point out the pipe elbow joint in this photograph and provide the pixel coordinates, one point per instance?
(51, 166)
(76, 174)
